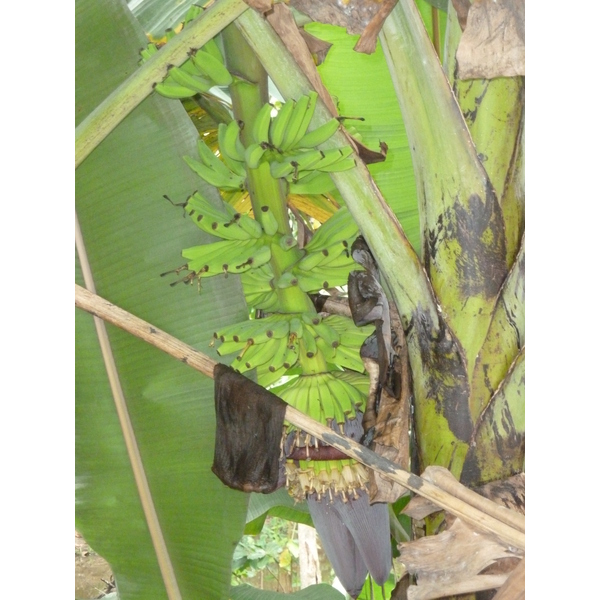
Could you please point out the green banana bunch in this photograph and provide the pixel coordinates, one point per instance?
(327, 399)
(313, 184)
(204, 69)
(327, 262)
(229, 256)
(259, 289)
(231, 149)
(214, 171)
(226, 224)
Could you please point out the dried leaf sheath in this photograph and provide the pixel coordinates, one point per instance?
(248, 438)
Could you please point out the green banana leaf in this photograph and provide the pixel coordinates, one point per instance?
(355, 80)
(132, 235)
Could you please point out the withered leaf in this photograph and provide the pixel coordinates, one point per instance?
(386, 418)
(354, 15)
(451, 562)
(493, 42)
(262, 6)
(318, 48)
(282, 21)
(462, 10)
(249, 433)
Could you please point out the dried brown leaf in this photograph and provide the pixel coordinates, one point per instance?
(318, 48)
(419, 508)
(451, 562)
(282, 21)
(462, 10)
(368, 40)
(493, 43)
(262, 6)
(354, 15)
(514, 587)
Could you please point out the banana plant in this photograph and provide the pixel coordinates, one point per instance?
(458, 286)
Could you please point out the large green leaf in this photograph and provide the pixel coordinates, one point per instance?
(355, 80)
(132, 235)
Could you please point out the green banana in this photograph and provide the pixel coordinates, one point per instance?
(213, 48)
(338, 228)
(227, 230)
(308, 115)
(266, 378)
(251, 226)
(287, 242)
(291, 355)
(256, 355)
(311, 318)
(228, 136)
(312, 260)
(309, 282)
(212, 68)
(313, 184)
(266, 301)
(147, 52)
(285, 280)
(262, 121)
(294, 122)
(276, 362)
(279, 123)
(258, 280)
(329, 334)
(296, 328)
(253, 154)
(233, 256)
(260, 257)
(268, 220)
(275, 329)
(350, 359)
(360, 382)
(344, 164)
(325, 349)
(339, 390)
(173, 90)
(231, 182)
(296, 164)
(332, 156)
(211, 160)
(230, 347)
(328, 408)
(332, 276)
(318, 135)
(181, 77)
(337, 255)
(241, 332)
(308, 345)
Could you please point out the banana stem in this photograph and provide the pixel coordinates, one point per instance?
(249, 93)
